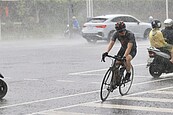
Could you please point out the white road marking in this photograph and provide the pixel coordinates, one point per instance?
(141, 83)
(89, 74)
(79, 94)
(140, 76)
(90, 71)
(129, 107)
(151, 81)
(77, 73)
(149, 91)
(110, 98)
(48, 99)
(163, 92)
(95, 82)
(25, 103)
(147, 99)
(64, 113)
(31, 79)
(70, 106)
(7, 78)
(136, 76)
(168, 75)
(64, 81)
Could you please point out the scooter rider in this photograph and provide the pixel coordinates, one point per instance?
(157, 40)
(150, 19)
(168, 31)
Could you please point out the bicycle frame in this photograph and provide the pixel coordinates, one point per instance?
(115, 67)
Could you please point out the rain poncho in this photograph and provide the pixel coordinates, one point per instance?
(157, 40)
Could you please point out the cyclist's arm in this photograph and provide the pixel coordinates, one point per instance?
(130, 44)
(111, 43)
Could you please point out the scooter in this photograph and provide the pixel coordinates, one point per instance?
(3, 87)
(159, 62)
(67, 33)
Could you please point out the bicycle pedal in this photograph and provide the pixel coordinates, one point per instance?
(111, 88)
(118, 84)
(126, 81)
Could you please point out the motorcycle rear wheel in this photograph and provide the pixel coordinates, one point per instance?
(155, 71)
(3, 88)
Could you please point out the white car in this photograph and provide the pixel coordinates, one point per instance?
(103, 27)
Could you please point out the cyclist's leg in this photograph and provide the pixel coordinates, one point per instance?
(119, 54)
(128, 64)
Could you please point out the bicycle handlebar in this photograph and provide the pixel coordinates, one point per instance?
(117, 57)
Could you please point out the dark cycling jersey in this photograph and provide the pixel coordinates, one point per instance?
(124, 40)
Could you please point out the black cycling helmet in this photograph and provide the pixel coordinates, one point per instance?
(120, 26)
(156, 24)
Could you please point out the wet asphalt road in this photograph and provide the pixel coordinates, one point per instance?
(63, 77)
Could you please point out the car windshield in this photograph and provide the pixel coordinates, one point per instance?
(97, 20)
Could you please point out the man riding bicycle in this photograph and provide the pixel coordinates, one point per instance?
(128, 46)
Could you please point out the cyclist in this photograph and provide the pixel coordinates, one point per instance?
(168, 31)
(128, 46)
(157, 40)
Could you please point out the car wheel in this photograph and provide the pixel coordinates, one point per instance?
(146, 33)
(110, 35)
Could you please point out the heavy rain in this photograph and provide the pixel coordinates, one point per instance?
(50, 68)
(30, 19)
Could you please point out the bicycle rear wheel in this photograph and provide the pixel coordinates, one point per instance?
(106, 85)
(126, 85)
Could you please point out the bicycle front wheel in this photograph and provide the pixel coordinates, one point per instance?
(126, 85)
(105, 86)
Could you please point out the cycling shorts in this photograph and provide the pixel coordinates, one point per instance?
(121, 52)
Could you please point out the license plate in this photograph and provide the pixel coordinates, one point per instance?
(90, 27)
(149, 61)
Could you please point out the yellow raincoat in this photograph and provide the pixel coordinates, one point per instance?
(157, 40)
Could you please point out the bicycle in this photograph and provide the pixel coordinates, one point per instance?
(115, 77)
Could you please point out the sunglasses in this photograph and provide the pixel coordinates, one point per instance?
(121, 31)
